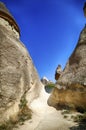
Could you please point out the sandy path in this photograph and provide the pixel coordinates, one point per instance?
(45, 117)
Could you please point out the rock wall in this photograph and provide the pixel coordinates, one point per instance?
(18, 75)
(70, 89)
(75, 70)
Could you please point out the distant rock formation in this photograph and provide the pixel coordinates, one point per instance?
(70, 89)
(58, 72)
(18, 75)
(44, 80)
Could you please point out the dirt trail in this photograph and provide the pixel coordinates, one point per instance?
(45, 117)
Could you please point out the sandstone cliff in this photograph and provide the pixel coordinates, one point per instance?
(70, 90)
(18, 75)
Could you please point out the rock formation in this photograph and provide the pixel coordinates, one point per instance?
(70, 90)
(18, 75)
(58, 72)
(44, 80)
(84, 9)
(75, 70)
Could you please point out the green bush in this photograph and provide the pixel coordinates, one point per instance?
(23, 102)
(65, 116)
(9, 125)
(25, 112)
(80, 118)
(66, 112)
(51, 85)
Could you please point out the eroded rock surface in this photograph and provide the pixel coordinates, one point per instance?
(75, 70)
(18, 75)
(70, 90)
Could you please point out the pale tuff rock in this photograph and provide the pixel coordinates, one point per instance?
(75, 70)
(70, 90)
(18, 75)
(8, 27)
(5, 14)
(45, 81)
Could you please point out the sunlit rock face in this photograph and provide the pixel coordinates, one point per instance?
(18, 75)
(71, 86)
(75, 70)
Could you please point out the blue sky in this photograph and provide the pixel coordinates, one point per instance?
(49, 29)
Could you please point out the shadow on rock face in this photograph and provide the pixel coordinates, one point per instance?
(80, 126)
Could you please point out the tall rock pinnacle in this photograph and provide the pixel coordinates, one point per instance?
(18, 76)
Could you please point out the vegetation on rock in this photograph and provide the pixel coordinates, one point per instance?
(49, 87)
(23, 115)
(25, 112)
